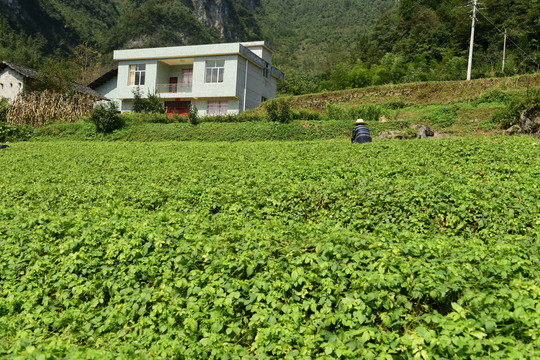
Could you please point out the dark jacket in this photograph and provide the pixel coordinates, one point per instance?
(360, 134)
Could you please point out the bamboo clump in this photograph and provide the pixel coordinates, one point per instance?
(38, 109)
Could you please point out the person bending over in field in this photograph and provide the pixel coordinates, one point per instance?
(360, 133)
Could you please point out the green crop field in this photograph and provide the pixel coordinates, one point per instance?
(420, 249)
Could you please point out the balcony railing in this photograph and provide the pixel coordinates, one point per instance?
(172, 88)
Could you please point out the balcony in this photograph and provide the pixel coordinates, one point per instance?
(172, 89)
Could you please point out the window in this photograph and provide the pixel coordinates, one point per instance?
(218, 107)
(214, 71)
(137, 74)
(187, 77)
(266, 69)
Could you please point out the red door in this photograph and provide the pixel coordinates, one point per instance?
(177, 108)
(173, 84)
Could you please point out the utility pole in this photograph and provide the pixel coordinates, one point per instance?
(504, 49)
(469, 69)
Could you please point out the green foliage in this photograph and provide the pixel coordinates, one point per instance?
(306, 115)
(494, 96)
(10, 132)
(368, 112)
(56, 75)
(106, 118)
(413, 41)
(278, 110)
(4, 108)
(312, 37)
(394, 104)
(510, 114)
(151, 104)
(193, 114)
(424, 249)
(443, 116)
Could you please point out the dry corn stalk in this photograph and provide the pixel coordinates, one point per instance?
(38, 109)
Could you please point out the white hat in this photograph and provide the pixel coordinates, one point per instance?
(360, 122)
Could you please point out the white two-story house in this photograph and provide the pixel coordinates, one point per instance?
(217, 79)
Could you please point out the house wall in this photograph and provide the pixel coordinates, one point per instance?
(261, 52)
(11, 83)
(124, 90)
(258, 86)
(227, 88)
(109, 88)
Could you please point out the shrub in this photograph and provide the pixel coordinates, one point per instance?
(247, 116)
(368, 112)
(279, 111)
(509, 115)
(105, 117)
(443, 116)
(306, 115)
(158, 118)
(334, 112)
(10, 132)
(193, 115)
(493, 96)
(4, 107)
(394, 104)
(149, 105)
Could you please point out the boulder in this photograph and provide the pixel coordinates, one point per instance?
(530, 120)
(424, 132)
(392, 134)
(513, 130)
(528, 124)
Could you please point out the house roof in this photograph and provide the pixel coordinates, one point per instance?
(33, 74)
(103, 78)
(23, 70)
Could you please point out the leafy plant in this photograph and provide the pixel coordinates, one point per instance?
(193, 114)
(9, 132)
(510, 114)
(106, 118)
(151, 104)
(153, 255)
(278, 110)
(443, 116)
(4, 108)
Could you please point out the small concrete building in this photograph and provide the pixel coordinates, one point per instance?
(217, 79)
(14, 78)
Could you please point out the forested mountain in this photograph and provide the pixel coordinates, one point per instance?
(322, 45)
(85, 32)
(422, 40)
(316, 35)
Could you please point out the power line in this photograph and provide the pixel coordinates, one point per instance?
(509, 38)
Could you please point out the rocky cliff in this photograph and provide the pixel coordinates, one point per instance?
(111, 24)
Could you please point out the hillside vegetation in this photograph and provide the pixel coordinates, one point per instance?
(424, 40)
(315, 35)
